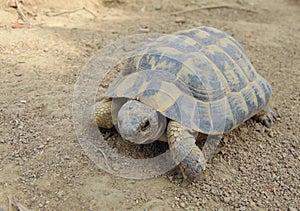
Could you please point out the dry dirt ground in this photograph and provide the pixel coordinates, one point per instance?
(42, 165)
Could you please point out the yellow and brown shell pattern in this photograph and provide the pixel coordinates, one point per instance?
(199, 77)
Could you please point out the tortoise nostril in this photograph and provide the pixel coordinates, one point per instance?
(145, 125)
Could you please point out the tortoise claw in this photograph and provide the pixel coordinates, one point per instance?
(273, 116)
(266, 123)
(185, 183)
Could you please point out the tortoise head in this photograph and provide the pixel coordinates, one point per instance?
(139, 123)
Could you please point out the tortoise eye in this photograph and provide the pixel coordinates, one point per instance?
(145, 125)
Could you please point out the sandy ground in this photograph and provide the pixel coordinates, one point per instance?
(42, 165)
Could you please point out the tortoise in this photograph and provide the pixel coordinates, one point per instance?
(180, 86)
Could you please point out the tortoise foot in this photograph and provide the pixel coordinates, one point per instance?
(267, 117)
(185, 152)
(193, 165)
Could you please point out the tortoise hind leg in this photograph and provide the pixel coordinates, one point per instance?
(103, 113)
(266, 116)
(184, 150)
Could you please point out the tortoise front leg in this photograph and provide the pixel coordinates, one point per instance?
(183, 148)
(103, 113)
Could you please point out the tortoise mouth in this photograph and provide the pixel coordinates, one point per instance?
(148, 139)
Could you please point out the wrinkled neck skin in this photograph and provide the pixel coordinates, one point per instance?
(140, 124)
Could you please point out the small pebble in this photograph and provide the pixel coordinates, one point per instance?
(271, 134)
(292, 209)
(180, 20)
(182, 204)
(18, 74)
(67, 157)
(40, 146)
(226, 199)
(144, 29)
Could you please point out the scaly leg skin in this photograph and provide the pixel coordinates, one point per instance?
(266, 116)
(210, 147)
(184, 150)
(103, 114)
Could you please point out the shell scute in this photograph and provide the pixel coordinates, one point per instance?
(202, 116)
(239, 108)
(230, 70)
(238, 57)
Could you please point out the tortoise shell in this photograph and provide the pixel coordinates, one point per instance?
(200, 78)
